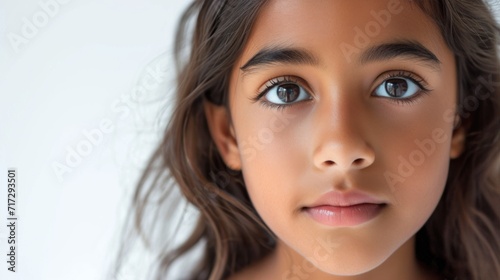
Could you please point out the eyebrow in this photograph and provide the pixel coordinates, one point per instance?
(405, 49)
(408, 49)
(277, 55)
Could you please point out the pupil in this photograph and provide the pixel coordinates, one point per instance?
(396, 87)
(288, 93)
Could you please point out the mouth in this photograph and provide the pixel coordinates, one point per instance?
(339, 209)
(344, 216)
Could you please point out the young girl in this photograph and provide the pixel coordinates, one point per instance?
(334, 140)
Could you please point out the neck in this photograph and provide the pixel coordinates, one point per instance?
(285, 263)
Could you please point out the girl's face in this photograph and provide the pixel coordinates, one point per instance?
(342, 123)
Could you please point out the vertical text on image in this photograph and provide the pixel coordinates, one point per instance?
(11, 219)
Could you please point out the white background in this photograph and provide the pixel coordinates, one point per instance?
(84, 63)
(78, 68)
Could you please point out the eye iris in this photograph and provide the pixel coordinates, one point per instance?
(288, 93)
(396, 87)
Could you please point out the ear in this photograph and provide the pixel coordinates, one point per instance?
(223, 134)
(458, 138)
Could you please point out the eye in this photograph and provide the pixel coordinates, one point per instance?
(286, 93)
(398, 87)
(282, 92)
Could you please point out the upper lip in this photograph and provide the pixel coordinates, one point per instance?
(345, 199)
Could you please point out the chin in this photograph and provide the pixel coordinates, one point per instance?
(351, 269)
(351, 261)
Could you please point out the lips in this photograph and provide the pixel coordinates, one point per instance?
(339, 209)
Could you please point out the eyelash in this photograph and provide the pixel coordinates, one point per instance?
(412, 77)
(276, 82)
(291, 79)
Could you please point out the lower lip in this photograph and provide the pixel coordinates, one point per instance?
(338, 216)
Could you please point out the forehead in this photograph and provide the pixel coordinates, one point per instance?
(337, 30)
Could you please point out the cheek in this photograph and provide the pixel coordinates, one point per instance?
(415, 164)
(273, 156)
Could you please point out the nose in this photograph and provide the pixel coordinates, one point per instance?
(344, 156)
(342, 133)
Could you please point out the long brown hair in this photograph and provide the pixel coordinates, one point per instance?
(461, 238)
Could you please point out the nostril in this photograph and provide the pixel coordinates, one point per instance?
(329, 162)
(358, 161)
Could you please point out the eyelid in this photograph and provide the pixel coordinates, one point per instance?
(420, 82)
(405, 101)
(285, 79)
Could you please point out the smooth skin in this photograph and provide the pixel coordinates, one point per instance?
(341, 132)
